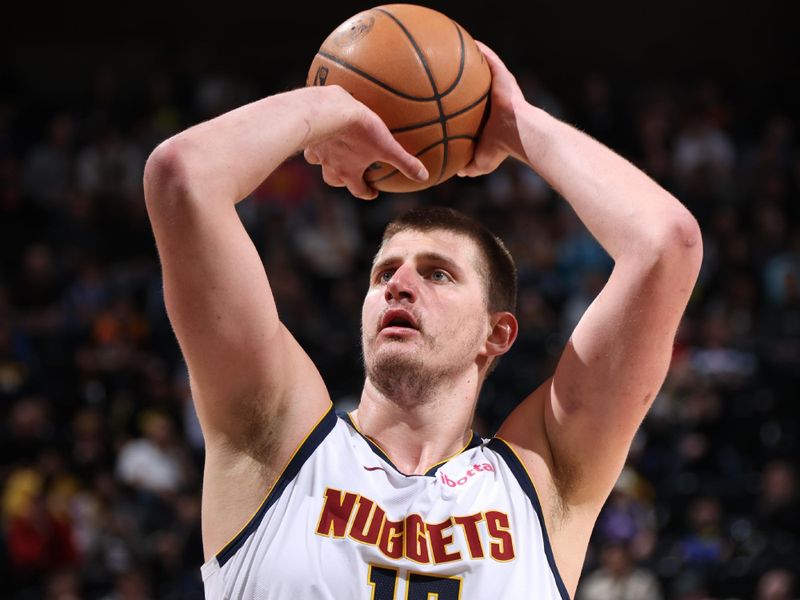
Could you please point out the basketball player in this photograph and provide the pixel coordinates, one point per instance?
(399, 499)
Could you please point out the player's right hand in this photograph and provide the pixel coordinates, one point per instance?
(357, 138)
(500, 136)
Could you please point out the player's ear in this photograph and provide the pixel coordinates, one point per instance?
(503, 333)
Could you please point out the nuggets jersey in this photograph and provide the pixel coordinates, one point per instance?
(343, 522)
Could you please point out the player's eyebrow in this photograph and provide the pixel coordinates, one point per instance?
(427, 257)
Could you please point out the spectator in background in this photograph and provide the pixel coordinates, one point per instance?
(38, 288)
(154, 463)
(599, 112)
(110, 166)
(704, 547)
(779, 326)
(703, 148)
(654, 128)
(64, 585)
(89, 453)
(17, 364)
(628, 517)
(49, 170)
(778, 505)
(111, 531)
(164, 117)
(28, 432)
(326, 237)
(39, 539)
(777, 511)
(131, 585)
(691, 586)
(777, 584)
(619, 578)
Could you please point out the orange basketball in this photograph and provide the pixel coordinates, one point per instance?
(422, 74)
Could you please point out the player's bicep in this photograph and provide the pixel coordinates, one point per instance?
(611, 370)
(221, 307)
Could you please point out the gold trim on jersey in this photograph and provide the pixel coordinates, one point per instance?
(533, 483)
(521, 462)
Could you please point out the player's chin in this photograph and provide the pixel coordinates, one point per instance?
(390, 343)
(395, 348)
(386, 344)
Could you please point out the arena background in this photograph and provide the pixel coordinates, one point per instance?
(101, 454)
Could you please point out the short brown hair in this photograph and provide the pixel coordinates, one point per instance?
(498, 267)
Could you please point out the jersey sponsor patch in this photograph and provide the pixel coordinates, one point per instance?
(473, 471)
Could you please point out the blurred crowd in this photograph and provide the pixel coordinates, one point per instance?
(102, 452)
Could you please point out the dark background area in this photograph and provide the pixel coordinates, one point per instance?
(705, 96)
(746, 44)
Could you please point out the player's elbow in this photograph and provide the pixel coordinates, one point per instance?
(166, 174)
(679, 244)
(682, 235)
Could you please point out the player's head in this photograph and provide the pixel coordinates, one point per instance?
(496, 264)
(451, 284)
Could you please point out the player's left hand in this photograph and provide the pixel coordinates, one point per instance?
(360, 140)
(500, 137)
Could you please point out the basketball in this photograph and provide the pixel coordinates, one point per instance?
(423, 74)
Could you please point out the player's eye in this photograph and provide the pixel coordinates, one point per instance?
(440, 276)
(385, 276)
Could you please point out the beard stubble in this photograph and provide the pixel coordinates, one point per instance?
(407, 379)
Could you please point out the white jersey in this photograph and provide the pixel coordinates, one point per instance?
(342, 522)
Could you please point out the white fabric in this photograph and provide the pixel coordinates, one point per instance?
(286, 557)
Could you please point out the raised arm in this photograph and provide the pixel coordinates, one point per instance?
(618, 355)
(256, 391)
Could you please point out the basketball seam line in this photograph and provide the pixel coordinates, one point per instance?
(461, 62)
(460, 111)
(346, 65)
(437, 95)
(374, 80)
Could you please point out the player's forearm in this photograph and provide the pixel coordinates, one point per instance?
(225, 158)
(628, 213)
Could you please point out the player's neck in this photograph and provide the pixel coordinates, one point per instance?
(416, 435)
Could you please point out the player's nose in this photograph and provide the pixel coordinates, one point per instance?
(403, 284)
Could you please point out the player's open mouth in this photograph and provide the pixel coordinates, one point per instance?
(398, 322)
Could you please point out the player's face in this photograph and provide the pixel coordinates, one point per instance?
(426, 302)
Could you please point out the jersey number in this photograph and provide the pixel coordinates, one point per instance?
(420, 587)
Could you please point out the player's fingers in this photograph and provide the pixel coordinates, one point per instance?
(483, 162)
(361, 189)
(490, 54)
(471, 170)
(500, 73)
(311, 156)
(408, 164)
(331, 178)
(496, 66)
